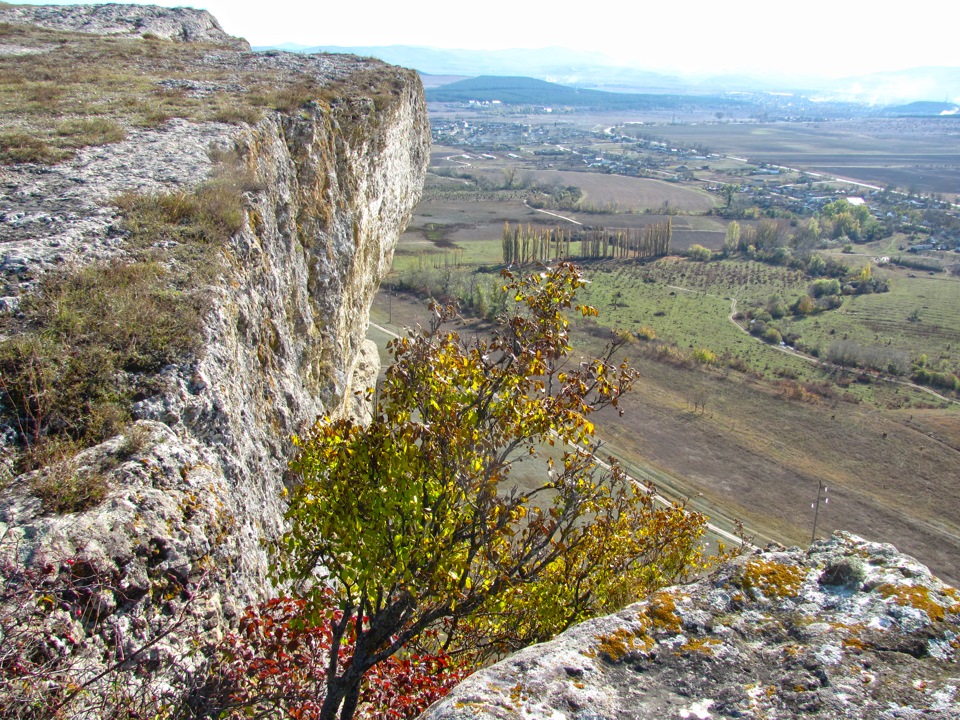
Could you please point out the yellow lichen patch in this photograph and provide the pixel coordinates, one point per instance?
(659, 614)
(955, 596)
(770, 579)
(704, 646)
(615, 647)
(850, 635)
(854, 642)
(661, 611)
(915, 596)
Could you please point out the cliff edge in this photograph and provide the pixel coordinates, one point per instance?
(310, 167)
(847, 629)
(132, 21)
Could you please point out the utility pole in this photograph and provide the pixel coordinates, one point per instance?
(821, 495)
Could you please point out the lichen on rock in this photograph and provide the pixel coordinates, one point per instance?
(847, 629)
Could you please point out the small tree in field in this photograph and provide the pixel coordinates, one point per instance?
(411, 523)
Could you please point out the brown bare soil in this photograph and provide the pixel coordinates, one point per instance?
(921, 153)
(761, 456)
(628, 193)
(757, 456)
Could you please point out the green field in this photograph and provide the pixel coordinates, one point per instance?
(919, 315)
(750, 434)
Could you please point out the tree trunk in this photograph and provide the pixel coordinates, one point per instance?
(331, 703)
(350, 702)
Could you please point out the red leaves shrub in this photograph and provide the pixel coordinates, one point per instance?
(278, 660)
(402, 688)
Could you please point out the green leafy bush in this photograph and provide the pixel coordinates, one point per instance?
(772, 335)
(419, 525)
(699, 253)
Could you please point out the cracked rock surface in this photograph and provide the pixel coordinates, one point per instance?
(848, 629)
(193, 488)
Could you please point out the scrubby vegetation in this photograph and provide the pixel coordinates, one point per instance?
(277, 661)
(417, 520)
(92, 339)
(88, 343)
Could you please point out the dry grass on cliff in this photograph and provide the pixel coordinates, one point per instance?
(83, 90)
(92, 341)
(88, 343)
(60, 91)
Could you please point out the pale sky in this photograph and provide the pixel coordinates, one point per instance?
(833, 38)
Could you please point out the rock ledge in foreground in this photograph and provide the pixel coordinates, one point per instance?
(848, 629)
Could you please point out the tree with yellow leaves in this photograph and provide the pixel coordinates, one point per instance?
(414, 524)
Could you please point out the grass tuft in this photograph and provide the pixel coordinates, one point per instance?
(91, 131)
(62, 490)
(20, 147)
(93, 338)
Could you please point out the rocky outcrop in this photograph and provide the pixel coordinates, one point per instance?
(194, 488)
(848, 629)
(178, 24)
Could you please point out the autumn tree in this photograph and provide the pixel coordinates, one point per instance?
(413, 522)
(731, 243)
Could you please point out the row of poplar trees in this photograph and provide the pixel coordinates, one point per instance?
(531, 245)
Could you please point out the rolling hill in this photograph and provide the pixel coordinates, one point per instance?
(530, 91)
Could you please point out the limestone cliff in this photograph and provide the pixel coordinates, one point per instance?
(194, 488)
(177, 24)
(848, 629)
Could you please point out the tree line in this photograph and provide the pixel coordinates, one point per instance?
(530, 245)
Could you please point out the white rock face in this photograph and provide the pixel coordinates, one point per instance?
(194, 495)
(338, 187)
(848, 629)
(179, 24)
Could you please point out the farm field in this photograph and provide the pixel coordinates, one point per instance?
(753, 454)
(628, 194)
(750, 433)
(605, 191)
(760, 456)
(739, 445)
(919, 313)
(438, 227)
(910, 154)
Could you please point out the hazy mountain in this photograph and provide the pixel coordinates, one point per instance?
(902, 86)
(531, 91)
(570, 67)
(924, 109)
(593, 70)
